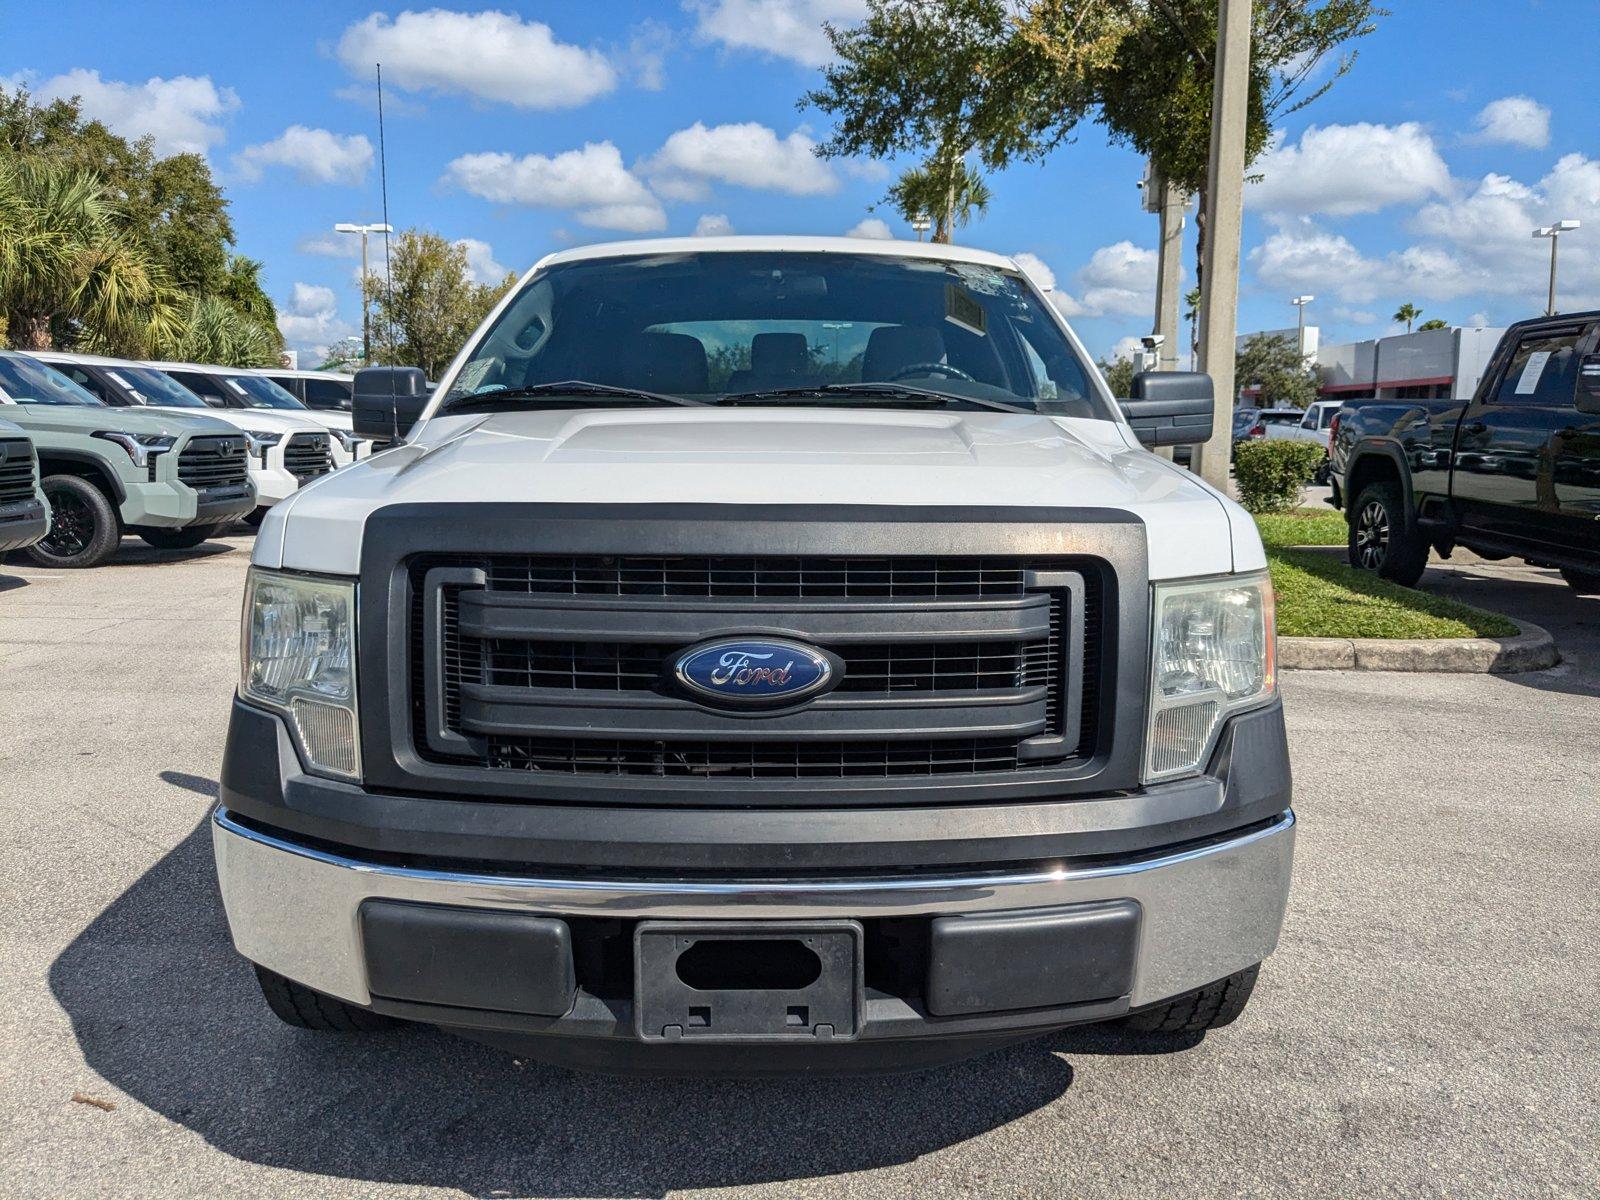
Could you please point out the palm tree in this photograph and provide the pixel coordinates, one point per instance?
(1407, 313)
(948, 189)
(1191, 303)
(214, 331)
(66, 261)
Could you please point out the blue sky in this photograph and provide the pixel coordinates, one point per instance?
(527, 127)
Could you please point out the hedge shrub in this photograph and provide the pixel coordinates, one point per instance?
(1270, 474)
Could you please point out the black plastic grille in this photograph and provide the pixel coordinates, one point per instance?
(762, 578)
(901, 668)
(308, 455)
(213, 462)
(17, 471)
(754, 760)
(889, 667)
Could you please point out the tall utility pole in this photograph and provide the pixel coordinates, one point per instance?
(1554, 232)
(366, 318)
(1219, 303)
(1162, 198)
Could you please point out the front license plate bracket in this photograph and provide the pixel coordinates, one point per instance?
(747, 981)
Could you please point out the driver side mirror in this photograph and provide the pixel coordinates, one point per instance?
(388, 401)
(1588, 399)
(1170, 408)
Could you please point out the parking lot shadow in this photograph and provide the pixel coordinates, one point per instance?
(163, 1009)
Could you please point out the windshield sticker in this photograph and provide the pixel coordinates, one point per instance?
(1529, 383)
(961, 310)
(472, 374)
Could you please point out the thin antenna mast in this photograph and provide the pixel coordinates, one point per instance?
(383, 177)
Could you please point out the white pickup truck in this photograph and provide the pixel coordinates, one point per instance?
(760, 654)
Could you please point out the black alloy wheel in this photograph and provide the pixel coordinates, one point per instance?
(84, 529)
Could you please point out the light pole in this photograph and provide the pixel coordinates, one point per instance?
(1554, 232)
(366, 321)
(1300, 303)
(921, 223)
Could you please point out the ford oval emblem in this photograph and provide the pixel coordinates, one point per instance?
(750, 672)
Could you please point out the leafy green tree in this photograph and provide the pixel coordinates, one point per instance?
(1273, 364)
(1406, 314)
(952, 193)
(1430, 326)
(213, 331)
(68, 266)
(428, 305)
(1010, 79)
(1191, 314)
(1118, 376)
(343, 355)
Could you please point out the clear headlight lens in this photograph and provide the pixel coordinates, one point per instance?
(298, 657)
(260, 443)
(141, 447)
(1213, 645)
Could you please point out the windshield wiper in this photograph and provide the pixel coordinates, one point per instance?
(567, 388)
(896, 391)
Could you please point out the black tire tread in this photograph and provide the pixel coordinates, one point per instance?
(1585, 583)
(1211, 1007)
(297, 1005)
(1408, 554)
(108, 531)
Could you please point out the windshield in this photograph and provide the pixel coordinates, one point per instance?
(153, 387)
(257, 391)
(707, 325)
(28, 381)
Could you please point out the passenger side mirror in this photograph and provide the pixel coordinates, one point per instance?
(388, 401)
(1171, 408)
(1589, 384)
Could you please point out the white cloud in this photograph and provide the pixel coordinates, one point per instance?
(1310, 258)
(1035, 269)
(314, 155)
(592, 182)
(1478, 320)
(713, 225)
(1354, 316)
(1125, 349)
(330, 245)
(492, 56)
(748, 155)
(481, 264)
(1342, 170)
(1118, 280)
(789, 29)
(874, 228)
(309, 320)
(1515, 121)
(182, 115)
(647, 54)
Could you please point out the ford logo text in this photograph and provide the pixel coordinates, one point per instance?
(753, 671)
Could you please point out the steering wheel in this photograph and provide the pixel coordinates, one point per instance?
(930, 368)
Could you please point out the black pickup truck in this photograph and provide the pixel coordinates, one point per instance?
(1513, 472)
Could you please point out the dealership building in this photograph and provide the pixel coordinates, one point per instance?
(1430, 365)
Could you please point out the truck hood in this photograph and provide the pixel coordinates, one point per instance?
(772, 457)
(326, 418)
(63, 418)
(252, 420)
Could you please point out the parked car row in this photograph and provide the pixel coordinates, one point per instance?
(171, 452)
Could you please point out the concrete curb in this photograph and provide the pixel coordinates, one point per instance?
(1533, 649)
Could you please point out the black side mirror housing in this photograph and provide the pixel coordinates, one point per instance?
(388, 401)
(1171, 408)
(1588, 399)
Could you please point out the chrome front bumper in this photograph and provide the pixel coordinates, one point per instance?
(1207, 911)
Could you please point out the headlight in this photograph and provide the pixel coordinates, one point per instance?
(260, 443)
(141, 447)
(1214, 651)
(298, 657)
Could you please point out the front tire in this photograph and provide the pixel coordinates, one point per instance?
(84, 527)
(179, 539)
(296, 1005)
(1211, 1007)
(1380, 539)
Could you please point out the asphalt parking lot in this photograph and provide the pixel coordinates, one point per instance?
(1427, 1028)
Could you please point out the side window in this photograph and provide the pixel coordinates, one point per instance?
(83, 379)
(1309, 421)
(327, 393)
(1542, 371)
(1326, 417)
(201, 386)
